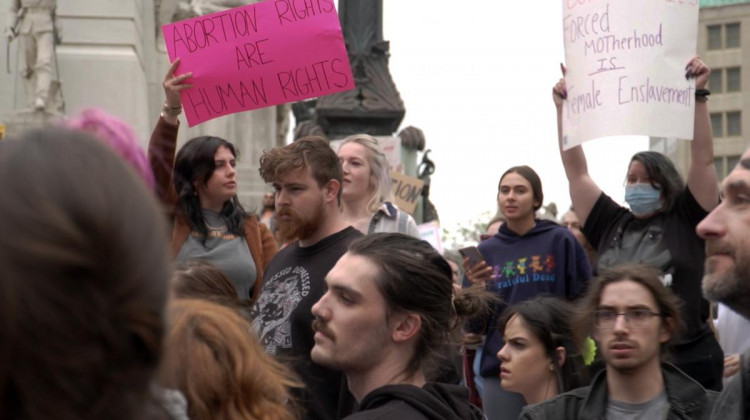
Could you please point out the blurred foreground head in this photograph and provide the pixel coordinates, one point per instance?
(213, 357)
(118, 135)
(83, 276)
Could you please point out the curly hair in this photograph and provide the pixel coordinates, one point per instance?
(309, 152)
(215, 360)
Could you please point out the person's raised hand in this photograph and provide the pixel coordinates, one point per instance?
(174, 84)
(697, 69)
(560, 91)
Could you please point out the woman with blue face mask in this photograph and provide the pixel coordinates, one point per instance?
(658, 228)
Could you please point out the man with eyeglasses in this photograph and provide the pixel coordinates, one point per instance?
(633, 319)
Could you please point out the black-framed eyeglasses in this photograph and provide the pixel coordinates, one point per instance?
(634, 318)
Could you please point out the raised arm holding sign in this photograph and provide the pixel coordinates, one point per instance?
(258, 55)
(626, 62)
(659, 228)
(702, 178)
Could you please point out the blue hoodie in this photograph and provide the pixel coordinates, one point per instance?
(546, 260)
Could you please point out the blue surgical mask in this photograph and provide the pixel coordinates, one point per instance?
(642, 198)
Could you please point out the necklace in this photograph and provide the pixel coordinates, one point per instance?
(215, 228)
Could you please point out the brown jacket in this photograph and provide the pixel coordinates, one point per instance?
(161, 153)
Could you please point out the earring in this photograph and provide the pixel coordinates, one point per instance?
(551, 367)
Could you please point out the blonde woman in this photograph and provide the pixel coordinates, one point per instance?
(367, 189)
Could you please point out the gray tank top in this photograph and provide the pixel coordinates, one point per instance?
(224, 250)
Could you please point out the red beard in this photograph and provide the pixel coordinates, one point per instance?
(296, 227)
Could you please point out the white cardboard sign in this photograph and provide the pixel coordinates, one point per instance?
(626, 68)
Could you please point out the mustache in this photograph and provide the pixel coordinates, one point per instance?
(319, 326)
(715, 246)
(285, 212)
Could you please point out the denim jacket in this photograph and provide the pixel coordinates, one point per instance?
(686, 398)
(734, 401)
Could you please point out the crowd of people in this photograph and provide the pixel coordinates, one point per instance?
(136, 286)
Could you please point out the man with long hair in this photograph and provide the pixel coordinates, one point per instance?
(390, 307)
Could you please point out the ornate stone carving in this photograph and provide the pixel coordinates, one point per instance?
(374, 106)
(34, 23)
(308, 128)
(413, 138)
(176, 10)
(425, 170)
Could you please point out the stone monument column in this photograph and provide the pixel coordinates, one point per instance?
(104, 60)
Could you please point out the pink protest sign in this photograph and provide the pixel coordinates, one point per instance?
(259, 55)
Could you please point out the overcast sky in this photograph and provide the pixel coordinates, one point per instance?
(477, 77)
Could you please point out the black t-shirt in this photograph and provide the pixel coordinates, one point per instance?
(282, 317)
(667, 241)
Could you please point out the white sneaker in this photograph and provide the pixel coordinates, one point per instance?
(39, 104)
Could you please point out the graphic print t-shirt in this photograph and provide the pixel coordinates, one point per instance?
(282, 317)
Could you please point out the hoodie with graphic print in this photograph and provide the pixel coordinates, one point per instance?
(546, 260)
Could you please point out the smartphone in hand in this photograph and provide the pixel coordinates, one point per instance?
(473, 254)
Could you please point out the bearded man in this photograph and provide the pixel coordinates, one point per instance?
(306, 176)
(727, 275)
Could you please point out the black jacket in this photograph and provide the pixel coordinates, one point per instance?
(434, 401)
(686, 398)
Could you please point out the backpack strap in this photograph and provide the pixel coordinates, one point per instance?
(374, 221)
